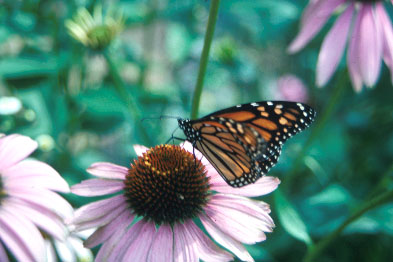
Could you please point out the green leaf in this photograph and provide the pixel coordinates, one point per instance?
(22, 67)
(290, 219)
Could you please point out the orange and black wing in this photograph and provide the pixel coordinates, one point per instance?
(234, 149)
(275, 122)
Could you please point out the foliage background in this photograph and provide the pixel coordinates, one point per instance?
(71, 106)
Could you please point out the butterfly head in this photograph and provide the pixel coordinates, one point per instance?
(191, 134)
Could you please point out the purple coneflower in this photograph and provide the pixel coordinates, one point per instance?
(367, 27)
(30, 211)
(162, 194)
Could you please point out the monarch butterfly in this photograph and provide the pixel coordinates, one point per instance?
(243, 142)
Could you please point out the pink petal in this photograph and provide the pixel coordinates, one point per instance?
(105, 232)
(3, 254)
(185, 247)
(240, 226)
(387, 35)
(98, 213)
(47, 221)
(353, 57)
(248, 206)
(370, 45)
(114, 241)
(97, 187)
(46, 199)
(162, 246)
(313, 20)
(14, 243)
(263, 186)
(226, 241)
(139, 149)
(108, 170)
(139, 249)
(207, 250)
(21, 230)
(128, 238)
(14, 148)
(35, 174)
(333, 47)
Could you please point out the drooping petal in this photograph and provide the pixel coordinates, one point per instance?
(333, 47)
(353, 57)
(225, 240)
(207, 250)
(3, 254)
(50, 252)
(128, 238)
(312, 22)
(370, 45)
(24, 232)
(35, 174)
(162, 246)
(105, 232)
(46, 199)
(110, 244)
(185, 247)
(97, 187)
(14, 243)
(239, 225)
(47, 221)
(14, 148)
(81, 253)
(139, 249)
(108, 170)
(263, 186)
(139, 149)
(98, 213)
(387, 35)
(248, 206)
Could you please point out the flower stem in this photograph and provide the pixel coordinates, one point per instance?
(127, 98)
(317, 249)
(211, 24)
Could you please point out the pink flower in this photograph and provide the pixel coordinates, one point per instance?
(161, 195)
(291, 88)
(367, 27)
(28, 204)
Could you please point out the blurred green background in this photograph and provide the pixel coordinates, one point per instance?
(67, 97)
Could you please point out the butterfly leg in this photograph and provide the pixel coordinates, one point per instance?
(173, 139)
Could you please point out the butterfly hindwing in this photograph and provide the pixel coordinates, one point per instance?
(233, 151)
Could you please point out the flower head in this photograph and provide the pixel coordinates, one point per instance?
(367, 27)
(96, 31)
(29, 209)
(161, 194)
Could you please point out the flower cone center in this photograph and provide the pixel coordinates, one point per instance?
(167, 184)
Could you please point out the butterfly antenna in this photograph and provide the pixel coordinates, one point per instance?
(159, 117)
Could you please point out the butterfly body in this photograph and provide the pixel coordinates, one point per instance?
(243, 142)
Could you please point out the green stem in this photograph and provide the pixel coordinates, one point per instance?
(319, 126)
(211, 24)
(127, 98)
(320, 246)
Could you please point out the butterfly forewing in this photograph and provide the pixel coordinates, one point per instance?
(243, 142)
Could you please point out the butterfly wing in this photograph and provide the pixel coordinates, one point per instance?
(232, 148)
(275, 121)
(243, 142)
